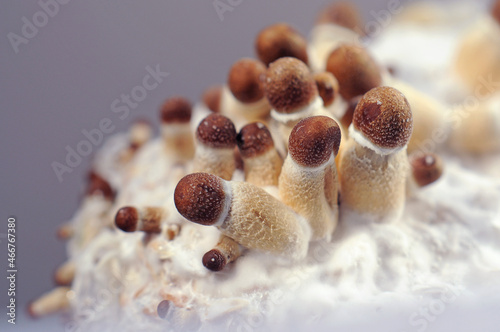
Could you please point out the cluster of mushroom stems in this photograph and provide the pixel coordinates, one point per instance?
(320, 131)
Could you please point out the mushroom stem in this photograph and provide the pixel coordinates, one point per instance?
(49, 303)
(226, 251)
(216, 140)
(144, 219)
(176, 130)
(262, 163)
(139, 134)
(374, 164)
(308, 182)
(243, 212)
(65, 274)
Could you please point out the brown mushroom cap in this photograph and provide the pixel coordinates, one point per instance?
(355, 70)
(127, 218)
(384, 117)
(313, 140)
(254, 139)
(278, 41)
(343, 13)
(346, 119)
(212, 97)
(99, 186)
(200, 198)
(328, 86)
(176, 110)
(216, 131)
(245, 80)
(289, 85)
(214, 260)
(495, 11)
(427, 168)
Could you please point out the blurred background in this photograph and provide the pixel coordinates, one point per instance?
(61, 78)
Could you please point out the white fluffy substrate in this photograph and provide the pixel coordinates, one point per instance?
(440, 258)
(445, 247)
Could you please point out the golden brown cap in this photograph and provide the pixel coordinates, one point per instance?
(254, 139)
(495, 11)
(211, 98)
(328, 86)
(313, 140)
(289, 85)
(200, 198)
(355, 70)
(343, 13)
(384, 117)
(278, 41)
(176, 110)
(127, 218)
(426, 168)
(216, 131)
(245, 80)
(214, 260)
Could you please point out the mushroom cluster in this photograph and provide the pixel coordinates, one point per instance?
(307, 136)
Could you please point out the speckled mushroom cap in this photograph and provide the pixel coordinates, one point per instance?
(200, 198)
(313, 140)
(383, 116)
(343, 13)
(254, 139)
(289, 85)
(216, 131)
(495, 11)
(245, 80)
(278, 41)
(176, 110)
(355, 70)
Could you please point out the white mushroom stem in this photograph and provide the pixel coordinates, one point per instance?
(245, 213)
(226, 251)
(262, 162)
(428, 116)
(65, 274)
(50, 303)
(243, 113)
(308, 182)
(477, 59)
(145, 219)
(374, 164)
(373, 184)
(215, 143)
(178, 141)
(476, 129)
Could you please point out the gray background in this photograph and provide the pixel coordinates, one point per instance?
(64, 81)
